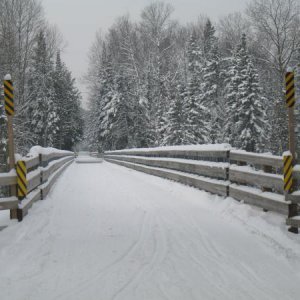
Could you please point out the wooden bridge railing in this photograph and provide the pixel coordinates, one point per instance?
(42, 171)
(256, 179)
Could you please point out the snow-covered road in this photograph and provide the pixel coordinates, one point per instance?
(109, 233)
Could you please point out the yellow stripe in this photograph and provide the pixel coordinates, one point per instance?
(7, 92)
(289, 186)
(287, 176)
(287, 157)
(287, 165)
(290, 85)
(9, 111)
(290, 94)
(10, 102)
(22, 188)
(22, 165)
(8, 84)
(291, 103)
(289, 76)
(22, 177)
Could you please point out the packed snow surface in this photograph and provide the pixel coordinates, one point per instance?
(106, 232)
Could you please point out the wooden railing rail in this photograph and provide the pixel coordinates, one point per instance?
(42, 170)
(253, 178)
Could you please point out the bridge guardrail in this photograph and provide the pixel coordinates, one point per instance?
(42, 171)
(253, 178)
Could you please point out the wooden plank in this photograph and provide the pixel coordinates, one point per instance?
(293, 222)
(260, 199)
(8, 203)
(46, 158)
(189, 167)
(256, 178)
(8, 179)
(33, 181)
(192, 154)
(257, 159)
(296, 174)
(46, 187)
(46, 172)
(27, 203)
(200, 183)
(294, 198)
(32, 162)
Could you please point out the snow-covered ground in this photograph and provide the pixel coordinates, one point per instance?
(107, 232)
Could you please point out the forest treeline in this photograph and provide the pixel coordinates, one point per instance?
(47, 102)
(157, 82)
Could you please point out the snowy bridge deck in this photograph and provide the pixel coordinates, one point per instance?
(107, 232)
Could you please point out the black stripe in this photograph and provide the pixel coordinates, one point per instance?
(8, 88)
(21, 192)
(291, 97)
(20, 168)
(9, 97)
(9, 113)
(292, 89)
(288, 180)
(22, 182)
(290, 167)
(11, 107)
(287, 161)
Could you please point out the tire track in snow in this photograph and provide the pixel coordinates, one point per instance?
(156, 233)
(103, 272)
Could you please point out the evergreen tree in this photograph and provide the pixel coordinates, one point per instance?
(196, 131)
(41, 108)
(175, 132)
(212, 84)
(236, 64)
(251, 119)
(67, 98)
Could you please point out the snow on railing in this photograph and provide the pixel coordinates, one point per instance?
(252, 178)
(43, 165)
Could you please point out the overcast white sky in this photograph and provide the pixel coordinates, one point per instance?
(78, 20)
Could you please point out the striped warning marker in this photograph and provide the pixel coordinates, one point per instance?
(22, 181)
(9, 97)
(290, 89)
(288, 173)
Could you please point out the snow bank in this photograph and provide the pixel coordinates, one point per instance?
(36, 150)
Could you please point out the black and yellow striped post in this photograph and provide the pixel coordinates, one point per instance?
(288, 173)
(290, 159)
(22, 182)
(290, 99)
(290, 89)
(9, 96)
(10, 112)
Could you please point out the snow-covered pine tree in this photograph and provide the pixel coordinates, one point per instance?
(212, 84)
(175, 132)
(233, 78)
(251, 115)
(121, 120)
(41, 108)
(67, 98)
(196, 131)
